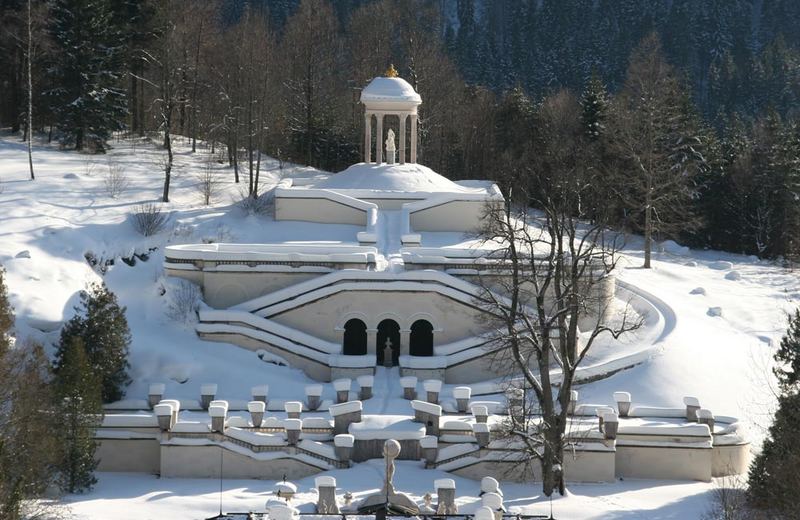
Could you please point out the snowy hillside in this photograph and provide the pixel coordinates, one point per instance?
(721, 316)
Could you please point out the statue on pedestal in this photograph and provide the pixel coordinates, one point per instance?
(391, 149)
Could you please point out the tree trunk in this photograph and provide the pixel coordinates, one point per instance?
(168, 146)
(648, 224)
(30, 91)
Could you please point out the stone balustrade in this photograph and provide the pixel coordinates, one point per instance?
(365, 384)
(260, 393)
(208, 392)
(313, 396)
(462, 395)
(409, 385)
(155, 394)
(432, 388)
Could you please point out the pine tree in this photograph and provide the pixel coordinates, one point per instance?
(6, 316)
(594, 107)
(103, 328)
(88, 100)
(773, 479)
(78, 395)
(788, 356)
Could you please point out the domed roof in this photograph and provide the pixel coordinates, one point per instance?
(392, 89)
(407, 178)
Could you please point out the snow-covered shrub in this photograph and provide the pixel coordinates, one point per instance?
(257, 205)
(115, 180)
(183, 300)
(148, 219)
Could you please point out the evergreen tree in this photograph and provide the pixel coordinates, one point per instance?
(773, 479)
(78, 394)
(29, 438)
(6, 316)
(103, 328)
(88, 100)
(788, 356)
(594, 108)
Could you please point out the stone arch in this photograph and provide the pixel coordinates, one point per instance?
(354, 340)
(421, 339)
(388, 329)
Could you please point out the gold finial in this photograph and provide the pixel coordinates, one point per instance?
(391, 72)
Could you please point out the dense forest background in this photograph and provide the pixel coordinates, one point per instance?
(683, 112)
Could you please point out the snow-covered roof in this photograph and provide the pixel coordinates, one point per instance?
(406, 178)
(390, 89)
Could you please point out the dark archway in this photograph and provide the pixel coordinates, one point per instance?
(388, 330)
(421, 338)
(355, 338)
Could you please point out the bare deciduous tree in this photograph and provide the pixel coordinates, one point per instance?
(548, 293)
(654, 131)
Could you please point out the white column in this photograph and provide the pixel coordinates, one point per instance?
(403, 138)
(413, 138)
(367, 137)
(379, 140)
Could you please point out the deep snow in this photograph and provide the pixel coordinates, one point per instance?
(723, 357)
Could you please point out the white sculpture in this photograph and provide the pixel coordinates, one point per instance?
(390, 147)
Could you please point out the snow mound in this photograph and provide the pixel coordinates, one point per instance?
(698, 290)
(23, 254)
(733, 275)
(714, 311)
(720, 265)
(409, 177)
(671, 247)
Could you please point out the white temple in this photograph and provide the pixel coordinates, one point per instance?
(386, 269)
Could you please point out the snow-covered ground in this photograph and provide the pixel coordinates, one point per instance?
(722, 316)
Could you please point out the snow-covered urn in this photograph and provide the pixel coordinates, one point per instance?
(462, 395)
(365, 384)
(293, 428)
(610, 424)
(260, 393)
(480, 412)
(446, 493)
(326, 495)
(482, 436)
(430, 448)
(164, 415)
(623, 400)
(313, 396)
(704, 416)
(573, 402)
(483, 513)
(276, 508)
(256, 409)
(155, 393)
(692, 407)
(342, 387)
(343, 446)
(344, 414)
(293, 409)
(409, 384)
(285, 490)
(490, 485)
(427, 414)
(493, 501)
(218, 410)
(432, 388)
(207, 394)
